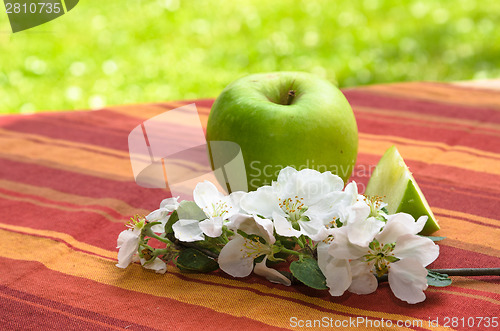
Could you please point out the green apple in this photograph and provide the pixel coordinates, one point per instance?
(393, 181)
(284, 119)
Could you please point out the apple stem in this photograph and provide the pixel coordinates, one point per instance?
(291, 95)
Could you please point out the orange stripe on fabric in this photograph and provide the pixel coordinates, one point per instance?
(70, 240)
(377, 145)
(459, 282)
(475, 285)
(431, 144)
(447, 212)
(435, 92)
(57, 196)
(445, 121)
(57, 311)
(467, 295)
(237, 302)
(66, 158)
(61, 142)
(473, 237)
(60, 207)
(35, 280)
(148, 111)
(108, 167)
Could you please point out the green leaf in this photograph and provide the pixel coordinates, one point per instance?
(187, 210)
(309, 273)
(174, 217)
(193, 260)
(437, 279)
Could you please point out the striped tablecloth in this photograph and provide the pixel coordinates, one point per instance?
(66, 190)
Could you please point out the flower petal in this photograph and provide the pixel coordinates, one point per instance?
(312, 186)
(397, 225)
(253, 224)
(206, 195)
(157, 215)
(285, 175)
(233, 260)
(408, 280)
(169, 204)
(235, 201)
(362, 231)
(212, 227)
(337, 271)
(363, 280)
(157, 265)
(159, 228)
(284, 227)
(314, 229)
(424, 250)
(266, 229)
(188, 230)
(342, 248)
(128, 243)
(263, 202)
(271, 275)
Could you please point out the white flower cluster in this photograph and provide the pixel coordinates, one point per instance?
(353, 236)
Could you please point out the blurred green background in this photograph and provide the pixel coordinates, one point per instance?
(111, 52)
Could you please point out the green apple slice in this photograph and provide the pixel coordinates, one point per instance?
(393, 181)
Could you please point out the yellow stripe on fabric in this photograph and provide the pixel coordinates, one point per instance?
(57, 311)
(119, 206)
(467, 295)
(104, 166)
(64, 237)
(460, 282)
(66, 158)
(453, 213)
(473, 237)
(60, 207)
(442, 146)
(475, 284)
(377, 145)
(69, 143)
(147, 111)
(80, 164)
(233, 301)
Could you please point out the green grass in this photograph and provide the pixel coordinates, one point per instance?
(130, 51)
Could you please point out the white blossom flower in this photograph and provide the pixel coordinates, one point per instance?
(162, 214)
(296, 202)
(157, 265)
(338, 206)
(237, 256)
(216, 206)
(396, 250)
(128, 242)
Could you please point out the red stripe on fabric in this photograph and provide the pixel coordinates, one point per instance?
(115, 302)
(100, 128)
(42, 199)
(445, 176)
(77, 312)
(80, 184)
(84, 226)
(24, 316)
(373, 99)
(410, 129)
(452, 257)
(320, 295)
